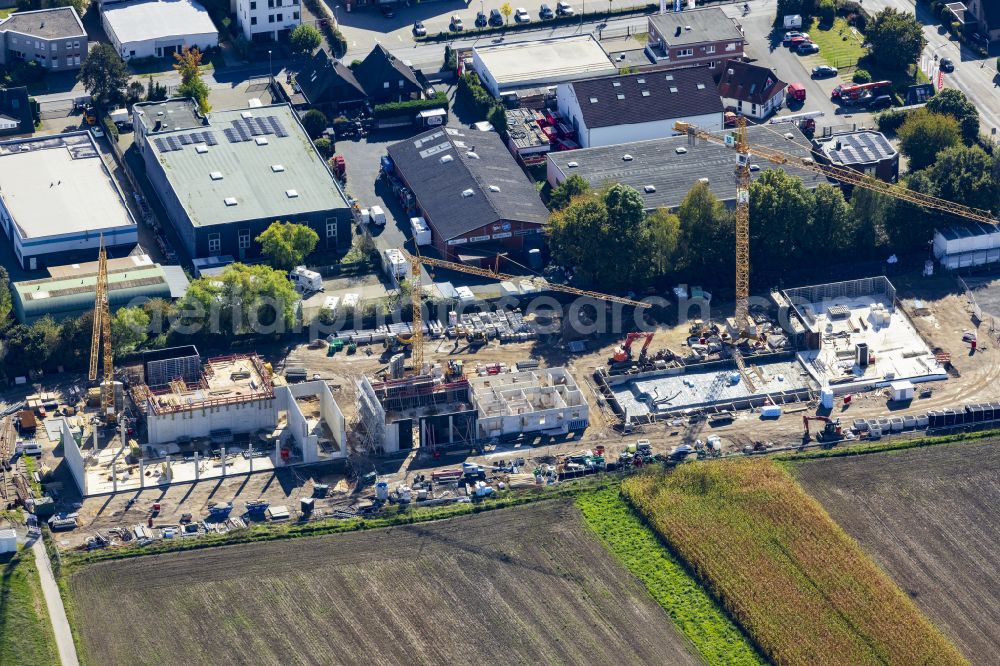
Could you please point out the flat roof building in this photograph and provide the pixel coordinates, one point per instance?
(53, 38)
(69, 291)
(224, 178)
(57, 197)
(158, 28)
(672, 165)
(507, 67)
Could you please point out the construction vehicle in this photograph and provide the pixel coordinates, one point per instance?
(831, 432)
(855, 92)
(806, 121)
(624, 353)
(101, 338)
(738, 140)
(417, 261)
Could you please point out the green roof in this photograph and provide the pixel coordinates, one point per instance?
(255, 163)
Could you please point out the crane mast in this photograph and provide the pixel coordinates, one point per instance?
(101, 338)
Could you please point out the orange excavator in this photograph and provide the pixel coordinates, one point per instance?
(831, 432)
(624, 353)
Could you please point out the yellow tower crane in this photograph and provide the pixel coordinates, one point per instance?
(417, 260)
(101, 337)
(738, 140)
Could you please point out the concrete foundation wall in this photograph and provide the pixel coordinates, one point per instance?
(238, 418)
(73, 457)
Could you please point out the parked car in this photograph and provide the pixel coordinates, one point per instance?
(456, 24)
(97, 131)
(564, 9)
(521, 15)
(419, 29)
(796, 40)
(880, 103)
(496, 18)
(388, 11)
(545, 12)
(792, 34)
(807, 48)
(480, 20)
(823, 71)
(947, 65)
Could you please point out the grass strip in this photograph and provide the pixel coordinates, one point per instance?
(692, 609)
(887, 445)
(804, 591)
(25, 631)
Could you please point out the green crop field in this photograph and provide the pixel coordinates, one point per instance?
(25, 633)
(638, 548)
(804, 591)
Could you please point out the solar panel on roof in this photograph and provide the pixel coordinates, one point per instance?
(253, 128)
(242, 132)
(161, 145)
(210, 138)
(231, 135)
(186, 139)
(279, 128)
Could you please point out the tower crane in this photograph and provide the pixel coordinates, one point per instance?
(739, 141)
(417, 260)
(101, 337)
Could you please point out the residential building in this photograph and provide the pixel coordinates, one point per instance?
(866, 151)
(15, 112)
(54, 38)
(664, 170)
(327, 83)
(69, 290)
(158, 28)
(505, 68)
(699, 37)
(58, 200)
(978, 18)
(386, 78)
(751, 90)
(225, 177)
(635, 107)
(477, 200)
(263, 20)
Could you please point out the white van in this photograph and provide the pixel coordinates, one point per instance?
(305, 279)
(378, 215)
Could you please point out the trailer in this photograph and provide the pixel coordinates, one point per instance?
(806, 121)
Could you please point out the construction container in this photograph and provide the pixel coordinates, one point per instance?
(770, 412)
(421, 232)
(306, 505)
(826, 398)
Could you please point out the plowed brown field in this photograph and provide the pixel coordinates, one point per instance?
(525, 585)
(929, 517)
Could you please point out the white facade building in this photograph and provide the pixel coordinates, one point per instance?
(544, 62)
(267, 19)
(546, 399)
(612, 110)
(158, 28)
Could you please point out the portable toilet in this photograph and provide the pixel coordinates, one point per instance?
(826, 398)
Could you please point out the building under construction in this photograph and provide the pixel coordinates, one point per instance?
(426, 411)
(544, 400)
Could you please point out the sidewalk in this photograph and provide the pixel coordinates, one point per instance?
(57, 613)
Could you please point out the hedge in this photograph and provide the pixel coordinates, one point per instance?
(540, 25)
(889, 121)
(438, 101)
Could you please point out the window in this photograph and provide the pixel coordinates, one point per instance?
(55, 62)
(295, 16)
(214, 244)
(731, 46)
(331, 228)
(76, 44)
(54, 46)
(684, 53)
(38, 45)
(280, 18)
(711, 65)
(131, 54)
(385, 85)
(270, 18)
(76, 60)
(13, 40)
(277, 3)
(270, 4)
(401, 83)
(244, 239)
(69, 45)
(253, 20)
(753, 109)
(253, 5)
(710, 48)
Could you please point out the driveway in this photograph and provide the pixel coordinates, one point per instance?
(57, 613)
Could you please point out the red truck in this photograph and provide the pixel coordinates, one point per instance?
(797, 91)
(852, 93)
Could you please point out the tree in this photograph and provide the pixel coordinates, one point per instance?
(134, 93)
(314, 121)
(573, 186)
(780, 207)
(104, 76)
(287, 244)
(786, 7)
(896, 39)
(129, 329)
(924, 134)
(605, 239)
(871, 210)
(188, 65)
(826, 10)
(498, 118)
(954, 103)
(324, 146)
(706, 238)
(967, 176)
(6, 303)
(832, 229)
(911, 227)
(24, 350)
(664, 234)
(305, 38)
(247, 299)
(155, 91)
(506, 10)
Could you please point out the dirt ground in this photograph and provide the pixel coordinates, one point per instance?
(525, 585)
(928, 517)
